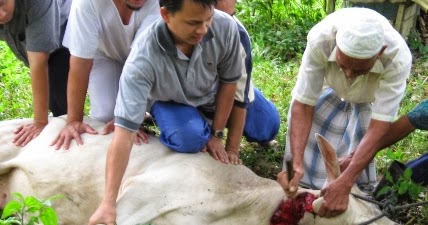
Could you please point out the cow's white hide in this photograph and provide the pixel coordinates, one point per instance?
(159, 186)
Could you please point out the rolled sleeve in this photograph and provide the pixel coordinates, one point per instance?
(311, 77)
(390, 92)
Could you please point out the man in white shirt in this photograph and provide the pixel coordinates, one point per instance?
(99, 35)
(351, 81)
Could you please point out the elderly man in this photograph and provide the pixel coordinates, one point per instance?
(34, 30)
(187, 65)
(99, 35)
(350, 83)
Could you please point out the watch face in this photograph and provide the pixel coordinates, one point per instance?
(219, 134)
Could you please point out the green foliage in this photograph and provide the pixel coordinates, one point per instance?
(15, 86)
(29, 211)
(417, 45)
(413, 145)
(280, 26)
(404, 189)
(404, 185)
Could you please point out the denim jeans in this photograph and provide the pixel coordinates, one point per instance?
(184, 128)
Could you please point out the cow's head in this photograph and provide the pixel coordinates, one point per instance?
(304, 207)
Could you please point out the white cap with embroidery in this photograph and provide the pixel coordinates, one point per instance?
(360, 38)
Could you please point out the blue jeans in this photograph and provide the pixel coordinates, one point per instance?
(419, 169)
(184, 129)
(262, 121)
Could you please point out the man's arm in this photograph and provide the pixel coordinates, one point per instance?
(77, 87)
(223, 106)
(78, 80)
(398, 130)
(38, 62)
(117, 161)
(236, 126)
(300, 126)
(336, 194)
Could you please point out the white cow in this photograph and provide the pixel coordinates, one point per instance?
(159, 186)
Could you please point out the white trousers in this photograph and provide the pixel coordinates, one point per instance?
(103, 87)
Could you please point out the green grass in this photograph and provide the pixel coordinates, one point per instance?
(15, 86)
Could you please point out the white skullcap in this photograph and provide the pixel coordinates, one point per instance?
(360, 38)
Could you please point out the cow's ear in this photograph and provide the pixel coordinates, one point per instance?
(330, 158)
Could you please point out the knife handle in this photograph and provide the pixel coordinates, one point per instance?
(289, 166)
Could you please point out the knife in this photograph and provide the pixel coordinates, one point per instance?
(290, 174)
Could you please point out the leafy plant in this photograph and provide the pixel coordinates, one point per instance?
(15, 86)
(280, 26)
(416, 44)
(29, 211)
(403, 186)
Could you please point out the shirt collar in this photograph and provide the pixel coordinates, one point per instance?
(166, 42)
(377, 68)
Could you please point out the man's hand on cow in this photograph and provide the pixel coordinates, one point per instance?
(336, 198)
(233, 157)
(73, 130)
(108, 128)
(105, 214)
(216, 149)
(143, 133)
(26, 133)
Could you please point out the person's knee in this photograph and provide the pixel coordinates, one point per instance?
(185, 141)
(265, 132)
(262, 124)
(104, 114)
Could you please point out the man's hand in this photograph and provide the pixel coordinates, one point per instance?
(142, 134)
(290, 187)
(344, 161)
(215, 147)
(105, 214)
(73, 130)
(336, 198)
(233, 157)
(26, 133)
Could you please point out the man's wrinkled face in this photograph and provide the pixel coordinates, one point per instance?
(6, 10)
(133, 4)
(353, 67)
(188, 25)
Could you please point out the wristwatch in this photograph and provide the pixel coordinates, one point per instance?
(217, 133)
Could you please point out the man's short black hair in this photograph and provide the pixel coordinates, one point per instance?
(175, 5)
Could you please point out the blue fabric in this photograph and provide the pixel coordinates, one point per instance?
(182, 127)
(246, 44)
(420, 169)
(262, 121)
(419, 115)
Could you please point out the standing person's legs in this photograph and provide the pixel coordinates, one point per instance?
(58, 66)
(262, 121)
(182, 127)
(103, 88)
